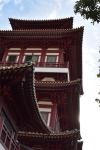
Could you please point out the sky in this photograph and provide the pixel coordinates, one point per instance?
(55, 9)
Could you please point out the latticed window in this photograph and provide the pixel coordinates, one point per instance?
(3, 134)
(12, 58)
(51, 58)
(55, 126)
(7, 142)
(7, 124)
(33, 58)
(44, 115)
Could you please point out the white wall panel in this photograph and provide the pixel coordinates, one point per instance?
(36, 53)
(13, 53)
(45, 109)
(7, 58)
(48, 79)
(23, 58)
(33, 49)
(57, 58)
(52, 54)
(27, 53)
(17, 58)
(39, 58)
(45, 58)
(48, 122)
(45, 102)
(15, 49)
(53, 49)
(59, 70)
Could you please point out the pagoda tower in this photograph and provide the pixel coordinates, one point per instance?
(41, 84)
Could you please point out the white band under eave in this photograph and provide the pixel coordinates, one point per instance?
(45, 109)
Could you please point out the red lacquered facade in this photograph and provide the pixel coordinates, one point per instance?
(41, 84)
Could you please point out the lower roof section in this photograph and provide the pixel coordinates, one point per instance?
(59, 141)
(20, 81)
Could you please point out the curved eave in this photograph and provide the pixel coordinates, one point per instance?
(75, 57)
(50, 86)
(2, 51)
(39, 31)
(72, 90)
(42, 141)
(51, 135)
(38, 24)
(24, 95)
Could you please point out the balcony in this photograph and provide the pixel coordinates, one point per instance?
(43, 67)
(37, 64)
(6, 139)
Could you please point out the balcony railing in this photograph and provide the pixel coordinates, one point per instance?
(52, 64)
(38, 64)
(6, 139)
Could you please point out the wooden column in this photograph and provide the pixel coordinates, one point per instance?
(43, 55)
(70, 110)
(5, 55)
(53, 116)
(21, 56)
(61, 55)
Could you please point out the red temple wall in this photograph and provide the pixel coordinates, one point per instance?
(12, 120)
(42, 54)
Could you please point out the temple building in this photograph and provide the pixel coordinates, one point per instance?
(40, 85)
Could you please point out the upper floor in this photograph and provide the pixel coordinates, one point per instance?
(50, 60)
(64, 23)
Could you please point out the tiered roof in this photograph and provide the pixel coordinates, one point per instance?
(65, 23)
(70, 104)
(20, 79)
(56, 35)
(42, 141)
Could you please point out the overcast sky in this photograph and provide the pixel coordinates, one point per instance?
(55, 9)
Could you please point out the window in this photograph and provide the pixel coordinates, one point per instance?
(55, 126)
(33, 58)
(51, 58)
(7, 124)
(44, 115)
(12, 58)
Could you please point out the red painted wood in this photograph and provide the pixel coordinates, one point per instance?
(53, 116)
(42, 24)
(9, 116)
(7, 135)
(21, 56)
(5, 55)
(61, 56)
(43, 55)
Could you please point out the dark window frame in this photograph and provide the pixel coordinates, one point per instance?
(46, 117)
(12, 60)
(31, 58)
(6, 121)
(52, 56)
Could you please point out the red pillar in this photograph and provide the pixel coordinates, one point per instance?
(61, 55)
(4, 57)
(53, 116)
(21, 56)
(43, 55)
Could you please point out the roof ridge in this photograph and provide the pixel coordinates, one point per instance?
(54, 82)
(40, 19)
(67, 132)
(44, 29)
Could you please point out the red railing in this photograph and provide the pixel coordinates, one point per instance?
(52, 64)
(9, 63)
(6, 139)
(38, 64)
